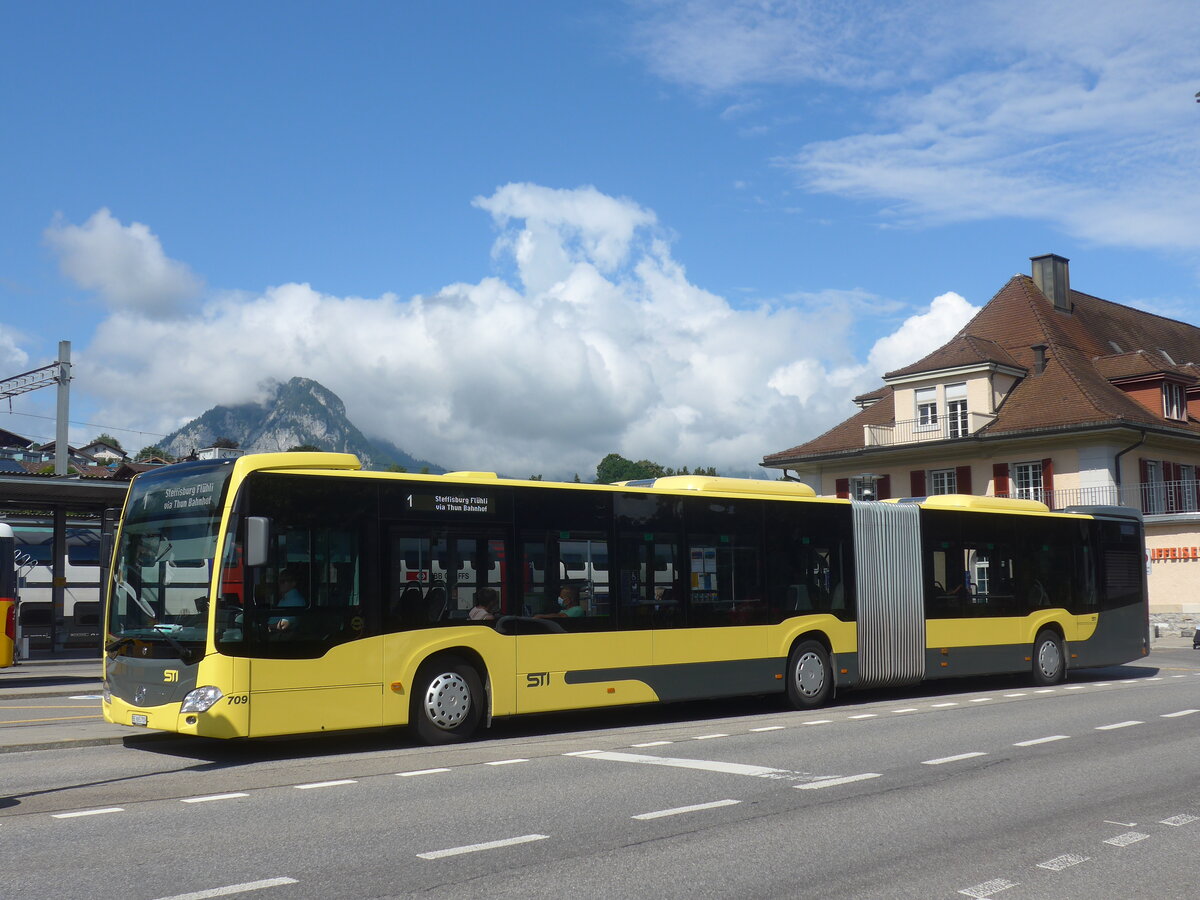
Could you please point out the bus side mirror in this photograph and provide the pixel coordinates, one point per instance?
(258, 540)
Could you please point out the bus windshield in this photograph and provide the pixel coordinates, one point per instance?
(164, 558)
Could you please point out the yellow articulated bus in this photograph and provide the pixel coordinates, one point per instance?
(340, 599)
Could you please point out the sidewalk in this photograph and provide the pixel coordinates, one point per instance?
(48, 704)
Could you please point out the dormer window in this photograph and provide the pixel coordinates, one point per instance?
(1174, 401)
(927, 411)
(958, 425)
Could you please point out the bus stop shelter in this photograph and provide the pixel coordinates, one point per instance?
(55, 498)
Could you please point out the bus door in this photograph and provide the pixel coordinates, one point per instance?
(568, 655)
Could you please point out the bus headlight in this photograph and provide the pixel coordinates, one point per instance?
(201, 699)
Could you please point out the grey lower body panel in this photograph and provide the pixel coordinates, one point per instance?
(695, 681)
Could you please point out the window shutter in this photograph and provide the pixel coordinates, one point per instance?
(916, 483)
(842, 486)
(1048, 482)
(962, 478)
(1000, 479)
(883, 488)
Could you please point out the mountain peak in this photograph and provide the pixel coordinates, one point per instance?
(298, 411)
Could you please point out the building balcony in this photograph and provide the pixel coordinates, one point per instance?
(917, 431)
(1153, 498)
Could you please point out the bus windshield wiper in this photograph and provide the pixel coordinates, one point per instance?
(114, 646)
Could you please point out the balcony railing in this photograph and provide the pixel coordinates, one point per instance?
(1152, 498)
(916, 431)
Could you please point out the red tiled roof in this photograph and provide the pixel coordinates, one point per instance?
(1097, 340)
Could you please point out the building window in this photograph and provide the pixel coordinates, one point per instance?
(956, 410)
(927, 413)
(1027, 481)
(943, 481)
(864, 488)
(1174, 401)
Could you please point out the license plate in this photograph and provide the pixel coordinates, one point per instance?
(140, 719)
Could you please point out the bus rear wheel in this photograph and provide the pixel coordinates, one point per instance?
(809, 675)
(1049, 659)
(447, 701)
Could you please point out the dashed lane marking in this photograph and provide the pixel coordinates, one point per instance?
(709, 737)
(1182, 712)
(767, 728)
(989, 888)
(1063, 862)
(705, 765)
(505, 762)
(1184, 819)
(231, 889)
(89, 812)
(1124, 840)
(836, 781)
(906, 709)
(324, 784)
(489, 845)
(949, 759)
(1042, 740)
(421, 772)
(654, 744)
(680, 810)
(213, 797)
(1116, 725)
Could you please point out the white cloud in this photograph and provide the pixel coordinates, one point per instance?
(921, 334)
(1034, 109)
(604, 346)
(124, 263)
(13, 360)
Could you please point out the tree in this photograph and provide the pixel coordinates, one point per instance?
(225, 443)
(396, 467)
(106, 438)
(615, 467)
(153, 450)
(304, 448)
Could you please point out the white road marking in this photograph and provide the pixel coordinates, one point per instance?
(652, 744)
(233, 889)
(834, 782)
(817, 722)
(88, 812)
(1182, 712)
(1155, 678)
(708, 737)
(86, 697)
(680, 810)
(1063, 862)
(324, 784)
(1119, 725)
(1045, 691)
(702, 764)
(1129, 837)
(767, 728)
(421, 772)
(1184, 819)
(1101, 683)
(1075, 687)
(906, 709)
(940, 705)
(489, 845)
(212, 797)
(864, 716)
(1122, 824)
(950, 759)
(505, 762)
(980, 699)
(1045, 740)
(1018, 694)
(988, 888)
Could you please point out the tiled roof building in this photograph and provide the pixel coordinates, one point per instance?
(1047, 393)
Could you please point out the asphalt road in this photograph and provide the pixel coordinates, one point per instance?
(988, 788)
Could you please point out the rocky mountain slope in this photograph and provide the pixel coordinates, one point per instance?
(299, 412)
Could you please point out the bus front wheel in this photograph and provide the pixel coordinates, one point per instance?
(1049, 658)
(809, 675)
(447, 701)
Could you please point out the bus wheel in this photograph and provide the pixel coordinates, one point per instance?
(1049, 660)
(809, 675)
(447, 701)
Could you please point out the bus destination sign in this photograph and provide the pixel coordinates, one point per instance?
(479, 504)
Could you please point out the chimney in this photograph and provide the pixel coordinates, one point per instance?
(1039, 358)
(1052, 276)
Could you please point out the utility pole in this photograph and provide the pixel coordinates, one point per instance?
(61, 450)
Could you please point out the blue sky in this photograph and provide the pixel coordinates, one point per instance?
(519, 237)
